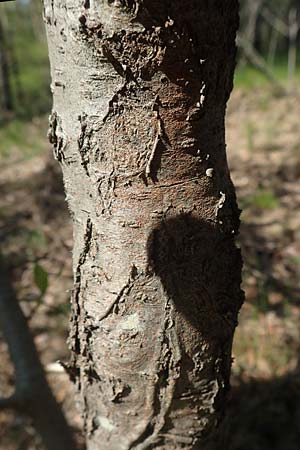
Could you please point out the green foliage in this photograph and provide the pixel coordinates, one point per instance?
(62, 309)
(248, 77)
(27, 53)
(40, 278)
(34, 79)
(35, 240)
(263, 199)
(250, 130)
(22, 139)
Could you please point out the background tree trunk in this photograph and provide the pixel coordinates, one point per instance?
(7, 102)
(32, 395)
(140, 89)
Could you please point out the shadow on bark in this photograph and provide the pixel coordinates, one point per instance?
(199, 267)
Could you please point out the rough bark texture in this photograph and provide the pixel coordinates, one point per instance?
(140, 90)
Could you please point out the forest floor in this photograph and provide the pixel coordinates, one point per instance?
(263, 141)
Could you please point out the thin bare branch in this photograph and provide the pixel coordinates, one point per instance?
(258, 61)
(275, 22)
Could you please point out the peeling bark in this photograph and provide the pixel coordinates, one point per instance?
(140, 91)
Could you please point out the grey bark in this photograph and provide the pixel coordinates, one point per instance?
(140, 90)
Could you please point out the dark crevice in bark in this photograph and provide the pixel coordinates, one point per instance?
(120, 68)
(113, 308)
(83, 143)
(55, 136)
(115, 104)
(161, 143)
(75, 339)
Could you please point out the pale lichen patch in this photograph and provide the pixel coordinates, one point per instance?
(105, 423)
(131, 322)
(209, 172)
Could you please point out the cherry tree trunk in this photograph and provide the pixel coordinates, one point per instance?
(140, 90)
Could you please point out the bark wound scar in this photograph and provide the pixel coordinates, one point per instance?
(123, 292)
(84, 143)
(76, 312)
(113, 106)
(122, 69)
(56, 136)
(161, 142)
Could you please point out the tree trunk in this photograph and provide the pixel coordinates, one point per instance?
(5, 73)
(140, 90)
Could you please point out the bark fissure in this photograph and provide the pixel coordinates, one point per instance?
(120, 296)
(167, 374)
(161, 143)
(83, 143)
(56, 137)
(77, 302)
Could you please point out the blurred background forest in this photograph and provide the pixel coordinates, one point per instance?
(263, 141)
